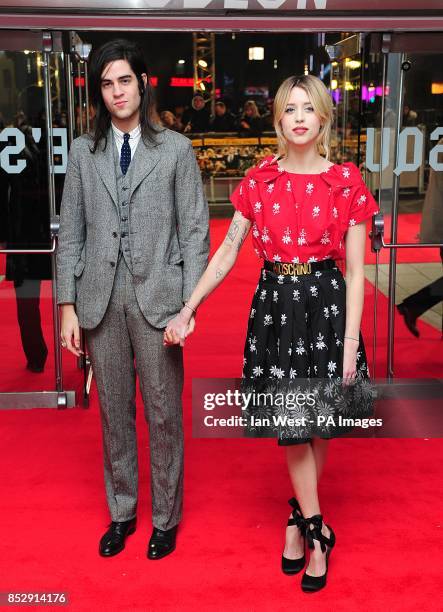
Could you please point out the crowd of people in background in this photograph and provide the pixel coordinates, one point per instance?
(197, 118)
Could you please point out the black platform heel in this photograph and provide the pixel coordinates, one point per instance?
(310, 584)
(293, 566)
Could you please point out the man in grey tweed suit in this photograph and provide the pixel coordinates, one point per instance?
(133, 243)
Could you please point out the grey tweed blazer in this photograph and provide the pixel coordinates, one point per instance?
(168, 220)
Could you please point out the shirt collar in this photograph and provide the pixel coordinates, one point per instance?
(133, 134)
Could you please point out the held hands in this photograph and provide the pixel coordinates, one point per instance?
(349, 361)
(179, 328)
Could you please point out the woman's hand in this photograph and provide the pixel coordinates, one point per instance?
(349, 361)
(355, 289)
(178, 329)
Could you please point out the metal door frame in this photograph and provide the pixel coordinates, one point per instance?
(75, 57)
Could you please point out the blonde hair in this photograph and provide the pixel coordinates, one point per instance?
(321, 102)
(253, 105)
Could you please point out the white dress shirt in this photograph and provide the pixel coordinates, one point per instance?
(134, 138)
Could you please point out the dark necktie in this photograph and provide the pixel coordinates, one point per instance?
(125, 154)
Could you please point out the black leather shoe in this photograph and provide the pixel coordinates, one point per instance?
(36, 368)
(113, 541)
(162, 543)
(310, 584)
(409, 318)
(293, 566)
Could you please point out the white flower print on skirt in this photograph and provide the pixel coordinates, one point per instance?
(298, 337)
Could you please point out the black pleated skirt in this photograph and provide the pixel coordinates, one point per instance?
(294, 349)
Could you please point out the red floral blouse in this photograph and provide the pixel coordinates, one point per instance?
(302, 217)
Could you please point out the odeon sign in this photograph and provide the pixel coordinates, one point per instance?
(12, 164)
(402, 164)
(237, 4)
(139, 6)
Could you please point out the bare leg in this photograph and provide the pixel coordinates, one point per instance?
(302, 460)
(320, 448)
(303, 473)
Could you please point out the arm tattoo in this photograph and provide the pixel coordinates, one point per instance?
(242, 238)
(219, 274)
(233, 231)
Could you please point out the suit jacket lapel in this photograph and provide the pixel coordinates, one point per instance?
(104, 162)
(146, 157)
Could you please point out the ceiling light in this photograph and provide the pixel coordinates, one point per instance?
(256, 53)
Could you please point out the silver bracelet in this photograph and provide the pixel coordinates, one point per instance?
(351, 338)
(190, 308)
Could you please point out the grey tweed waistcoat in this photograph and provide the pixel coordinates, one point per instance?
(123, 183)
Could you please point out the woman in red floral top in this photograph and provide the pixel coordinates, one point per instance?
(302, 217)
(303, 337)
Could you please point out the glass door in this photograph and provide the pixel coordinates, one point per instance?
(346, 87)
(354, 112)
(34, 122)
(411, 175)
(388, 93)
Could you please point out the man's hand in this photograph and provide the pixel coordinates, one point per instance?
(178, 329)
(70, 330)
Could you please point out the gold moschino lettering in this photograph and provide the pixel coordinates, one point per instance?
(292, 269)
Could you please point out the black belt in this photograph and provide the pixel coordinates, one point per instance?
(297, 269)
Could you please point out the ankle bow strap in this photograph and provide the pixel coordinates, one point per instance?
(315, 533)
(297, 517)
(294, 503)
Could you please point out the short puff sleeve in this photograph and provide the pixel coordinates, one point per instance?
(240, 200)
(363, 205)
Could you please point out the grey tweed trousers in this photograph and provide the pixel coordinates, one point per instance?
(123, 337)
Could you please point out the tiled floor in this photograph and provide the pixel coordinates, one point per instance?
(410, 278)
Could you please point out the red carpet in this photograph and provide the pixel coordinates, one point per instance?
(381, 496)
(15, 377)
(232, 297)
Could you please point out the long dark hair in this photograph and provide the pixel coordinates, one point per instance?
(109, 52)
